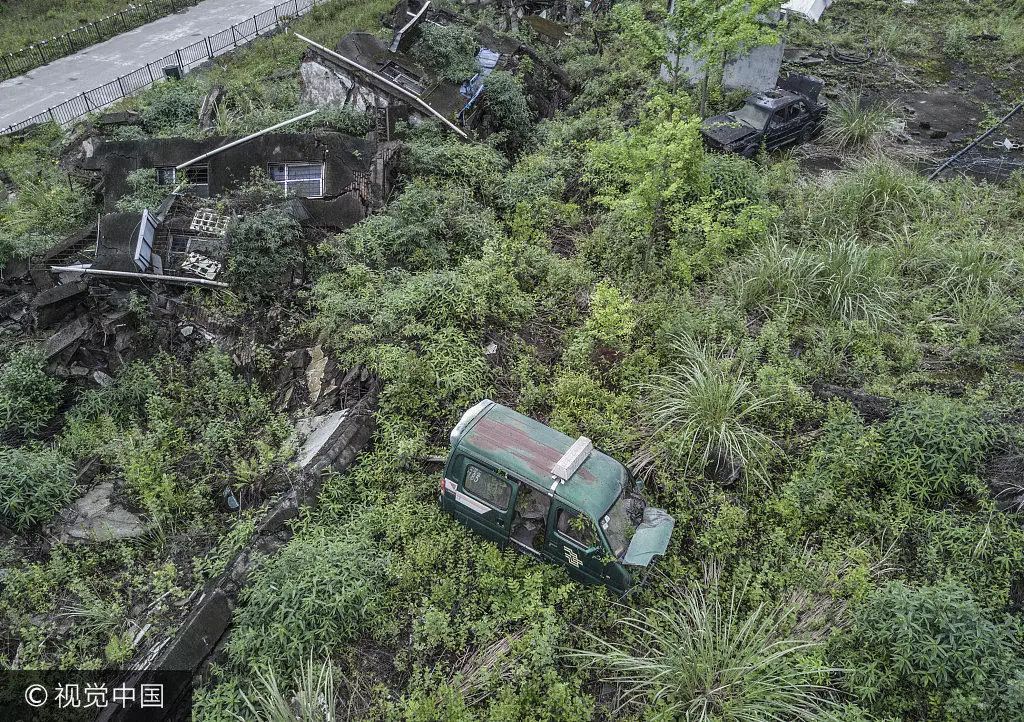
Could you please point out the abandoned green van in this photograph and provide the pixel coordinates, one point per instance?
(521, 483)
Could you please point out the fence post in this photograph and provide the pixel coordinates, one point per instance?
(42, 58)
(177, 55)
(85, 99)
(209, 48)
(120, 85)
(52, 116)
(277, 20)
(124, 23)
(7, 63)
(296, 6)
(149, 67)
(233, 38)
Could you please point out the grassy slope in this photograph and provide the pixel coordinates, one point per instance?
(29, 21)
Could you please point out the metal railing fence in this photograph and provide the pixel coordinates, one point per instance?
(28, 58)
(185, 59)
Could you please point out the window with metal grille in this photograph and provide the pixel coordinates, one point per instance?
(299, 179)
(165, 176)
(195, 175)
(403, 77)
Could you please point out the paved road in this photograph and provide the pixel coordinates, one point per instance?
(34, 92)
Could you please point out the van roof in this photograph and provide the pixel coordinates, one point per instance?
(528, 450)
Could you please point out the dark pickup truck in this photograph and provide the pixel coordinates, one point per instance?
(788, 114)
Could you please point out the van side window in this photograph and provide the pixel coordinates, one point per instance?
(488, 487)
(576, 526)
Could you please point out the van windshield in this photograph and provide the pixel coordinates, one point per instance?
(617, 527)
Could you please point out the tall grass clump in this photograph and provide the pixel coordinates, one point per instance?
(852, 124)
(312, 697)
(841, 281)
(705, 656)
(874, 197)
(702, 411)
(777, 277)
(855, 283)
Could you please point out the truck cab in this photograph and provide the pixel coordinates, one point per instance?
(522, 484)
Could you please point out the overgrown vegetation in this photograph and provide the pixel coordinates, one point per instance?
(814, 372)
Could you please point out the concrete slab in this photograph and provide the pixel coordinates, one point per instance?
(316, 434)
(49, 85)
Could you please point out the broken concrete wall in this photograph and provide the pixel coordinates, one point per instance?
(350, 192)
(204, 632)
(754, 71)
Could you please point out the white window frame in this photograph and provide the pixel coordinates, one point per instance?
(286, 183)
(191, 170)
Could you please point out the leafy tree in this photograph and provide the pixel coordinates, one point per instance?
(507, 112)
(934, 653)
(716, 31)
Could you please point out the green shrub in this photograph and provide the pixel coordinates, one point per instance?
(933, 653)
(931, 447)
(47, 205)
(506, 111)
(29, 395)
(449, 50)
(325, 588)
(35, 483)
(172, 108)
(264, 251)
(429, 227)
(144, 192)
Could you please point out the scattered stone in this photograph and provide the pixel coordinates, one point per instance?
(125, 117)
(96, 517)
(104, 380)
(187, 331)
(65, 337)
(317, 434)
(315, 372)
(937, 134)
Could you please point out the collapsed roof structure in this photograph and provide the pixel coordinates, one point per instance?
(370, 75)
(334, 181)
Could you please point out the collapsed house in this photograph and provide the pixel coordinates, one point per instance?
(333, 181)
(373, 76)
